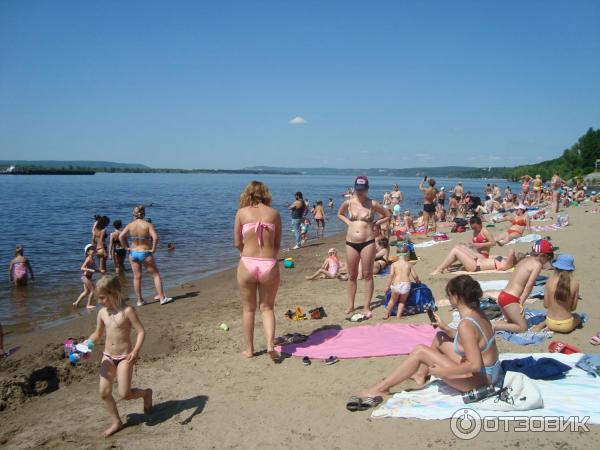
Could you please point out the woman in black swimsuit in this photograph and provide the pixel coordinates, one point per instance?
(360, 240)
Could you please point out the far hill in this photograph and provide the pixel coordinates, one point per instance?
(447, 171)
(54, 164)
(578, 160)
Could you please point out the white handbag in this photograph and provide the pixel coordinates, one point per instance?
(519, 393)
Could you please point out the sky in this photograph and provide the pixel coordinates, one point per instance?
(358, 84)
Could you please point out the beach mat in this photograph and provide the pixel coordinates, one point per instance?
(575, 395)
(365, 341)
(430, 243)
(528, 238)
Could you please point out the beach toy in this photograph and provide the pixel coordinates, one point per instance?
(224, 327)
(74, 358)
(288, 263)
(83, 349)
(69, 347)
(90, 344)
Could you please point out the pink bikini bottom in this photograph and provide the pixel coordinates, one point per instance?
(259, 267)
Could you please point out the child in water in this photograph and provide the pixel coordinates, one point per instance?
(304, 226)
(399, 281)
(119, 355)
(19, 268)
(88, 268)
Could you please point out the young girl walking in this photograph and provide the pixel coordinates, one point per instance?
(119, 355)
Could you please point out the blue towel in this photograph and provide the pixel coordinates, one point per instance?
(590, 363)
(526, 338)
(537, 369)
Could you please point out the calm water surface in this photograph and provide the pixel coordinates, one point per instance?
(52, 217)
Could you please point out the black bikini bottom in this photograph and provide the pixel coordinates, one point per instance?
(358, 246)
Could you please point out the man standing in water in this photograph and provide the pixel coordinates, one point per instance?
(298, 208)
(429, 200)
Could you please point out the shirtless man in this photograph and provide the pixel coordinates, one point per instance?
(512, 298)
(429, 200)
(538, 184)
(556, 183)
(459, 193)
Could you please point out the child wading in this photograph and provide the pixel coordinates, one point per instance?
(119, 355)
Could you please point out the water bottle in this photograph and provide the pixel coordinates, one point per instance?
(479, 393)
(558, 220)
(567, 220)
(455, 317)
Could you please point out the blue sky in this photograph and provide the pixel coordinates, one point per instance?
(203, 84)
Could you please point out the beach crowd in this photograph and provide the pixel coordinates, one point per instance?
(379, 240)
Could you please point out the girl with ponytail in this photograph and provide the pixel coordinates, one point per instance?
(561, 295)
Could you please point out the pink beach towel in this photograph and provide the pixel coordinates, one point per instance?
(383, 339)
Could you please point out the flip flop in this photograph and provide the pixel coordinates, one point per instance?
(11, 352)
(332, 360)
(561, 347)
(595, 340)
(357, 317)
(370, 402)
(353, 404)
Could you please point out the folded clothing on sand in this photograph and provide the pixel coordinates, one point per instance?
(537, 369)
(363, 341)
(574, 395)
(591, 364)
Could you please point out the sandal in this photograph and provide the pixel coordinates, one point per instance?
(561, 347)
(332, 360)
(354, 404)
(306, 361)
(370, 402)
(595, 340)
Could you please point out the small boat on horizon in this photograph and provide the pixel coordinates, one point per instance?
(12, 170)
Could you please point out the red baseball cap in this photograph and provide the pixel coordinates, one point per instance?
(543, 247)
(361, 183)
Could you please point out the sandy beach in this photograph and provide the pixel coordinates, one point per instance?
(208, 396)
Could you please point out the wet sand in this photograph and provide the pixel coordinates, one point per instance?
(208, 396)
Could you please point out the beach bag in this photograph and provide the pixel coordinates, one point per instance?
(419, 300)
(460, 222)
(519, 393)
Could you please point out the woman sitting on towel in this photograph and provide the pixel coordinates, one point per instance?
(465, 358)
(519, 224)
(560, 297)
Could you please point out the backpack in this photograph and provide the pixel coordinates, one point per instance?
(419, 300)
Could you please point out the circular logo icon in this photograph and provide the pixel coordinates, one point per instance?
(465, 424)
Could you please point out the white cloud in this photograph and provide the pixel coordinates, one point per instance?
(297, 121)
(423, 155)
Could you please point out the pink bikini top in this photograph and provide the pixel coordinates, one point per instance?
(258, 228)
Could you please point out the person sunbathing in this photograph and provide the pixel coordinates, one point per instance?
(561, 296)
(465, 358)
(331, 268)
(469, 264)
(513, 296)
(519, 224)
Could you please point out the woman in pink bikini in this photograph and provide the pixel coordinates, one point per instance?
(257, 235)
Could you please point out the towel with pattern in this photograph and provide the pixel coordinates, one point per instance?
(574, 395)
